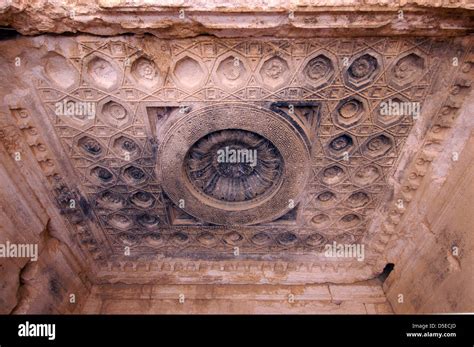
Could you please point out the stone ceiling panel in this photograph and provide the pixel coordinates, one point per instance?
(140, 124)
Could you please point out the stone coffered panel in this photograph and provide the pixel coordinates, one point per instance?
(138, 123)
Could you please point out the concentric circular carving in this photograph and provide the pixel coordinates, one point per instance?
(142, 199)
(114, 113)
(120, 221)
(320, 220)
(367, 175)
(362, 71)
(341, 145)
(128, 239)
(90, 146)
(101, 175)
(234, 165)
(145, 72)
(346, 238)
(231, 72)
(407, 69)
(390, 111)
(154, 239)
(318, 70)
(125, 147)
(341, 142)
(275, 72)
(350, 220)
(287, 239)
(326, 198)
(134, 175)
(148, 221)
(110, 200)
(261, 239)
(179, 238)
(363, 66)
(348, 112)
(377, 146)
(229, 192)
(332, 175)
(358, 199)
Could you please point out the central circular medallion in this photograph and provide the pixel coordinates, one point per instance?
(234, 166)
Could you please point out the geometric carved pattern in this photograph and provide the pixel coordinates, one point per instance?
(325, 95)
(240, 180)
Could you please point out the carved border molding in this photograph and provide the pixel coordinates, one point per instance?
(440, 129)
(25, 134)
(444, 121)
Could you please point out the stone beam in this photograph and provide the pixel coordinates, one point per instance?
(180, 19)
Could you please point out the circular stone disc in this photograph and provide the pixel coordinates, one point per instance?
(282, 157)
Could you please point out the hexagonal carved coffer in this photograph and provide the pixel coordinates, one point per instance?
(341, 145)
(102, 72)
(101, 175)
(114, 113)
(377, 146)
(391, 111)
(90, 147)
(275, 72)
(367, 175)
(357, 199)
(349, 112)
(231, 72)
(133, 175)
(145, 72)
(406, 70)
(189, 73)
(362, 71)
(319, 71)
(125, 147)
(333, 174)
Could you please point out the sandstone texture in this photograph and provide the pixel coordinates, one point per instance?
(123, 131)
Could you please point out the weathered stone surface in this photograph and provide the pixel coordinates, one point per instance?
(110, 161)
(222, 18)
(434, 270)
(215, 299)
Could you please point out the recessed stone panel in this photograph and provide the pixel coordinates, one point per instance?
(163, 110)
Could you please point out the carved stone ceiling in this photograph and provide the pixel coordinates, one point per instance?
(131, 130)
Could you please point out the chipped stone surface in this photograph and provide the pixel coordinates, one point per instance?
(214, 299)
(130, 207)
(222, 18)
(434, 269)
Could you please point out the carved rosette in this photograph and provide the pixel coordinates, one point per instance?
(234, 192)
(234, 166)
